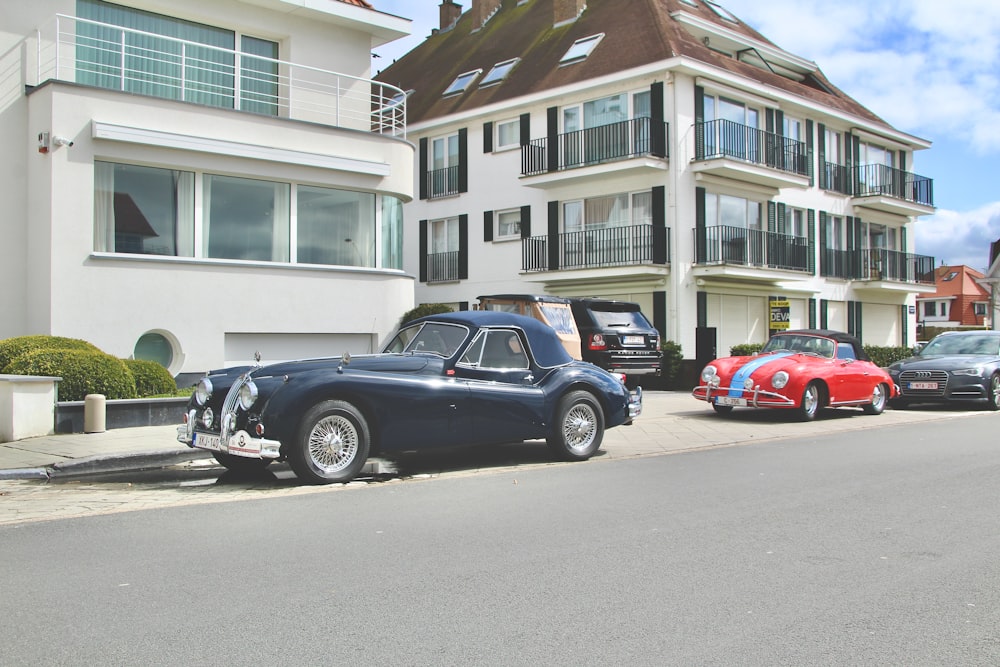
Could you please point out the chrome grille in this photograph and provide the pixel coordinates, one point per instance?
(228, 417)
(906, 377)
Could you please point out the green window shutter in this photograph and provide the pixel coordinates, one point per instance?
(488, 137)
(699, 123)
(700, 234)
(525, 121)
(423, 168)
(809, 152)
(463, 247)
(772, 216)
(811, 242)
(463, 160)
(659, 211)
(422, 244)
(824, 181)
(812, 313)
(552, 138)
(487, 226)
(824, 320)
(525, 222)
(553, 239)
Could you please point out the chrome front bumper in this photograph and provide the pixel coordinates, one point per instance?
(755, 398)
(635, 403)
(240, 443)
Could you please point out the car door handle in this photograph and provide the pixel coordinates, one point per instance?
(529, 378)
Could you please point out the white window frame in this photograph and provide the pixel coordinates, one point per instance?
(498, 233)
(498, 73)
(581, 49)
(461, 82)
(498, 139)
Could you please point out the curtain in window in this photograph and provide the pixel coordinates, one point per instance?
(392, 233)
(184, 189)
(104, 193)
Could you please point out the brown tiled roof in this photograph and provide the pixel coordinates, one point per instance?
(637, 33)
(359, 3)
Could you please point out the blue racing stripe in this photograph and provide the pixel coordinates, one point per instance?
(736, 384)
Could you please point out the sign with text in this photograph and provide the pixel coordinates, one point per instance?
(781, 318)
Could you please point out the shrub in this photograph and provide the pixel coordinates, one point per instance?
(745, 349)
(883, 356)
(423, 310)
(82, 371)
(151, 378)
(11, 348)
(670, 365)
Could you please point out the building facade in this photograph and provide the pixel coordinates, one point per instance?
(196, 182)
(959, 299)
(658, 151)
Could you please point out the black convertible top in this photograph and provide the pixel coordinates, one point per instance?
(546, 347)
(837, 336)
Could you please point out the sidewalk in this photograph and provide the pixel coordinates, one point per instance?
(670, 422)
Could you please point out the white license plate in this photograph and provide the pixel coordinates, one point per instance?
(730, 400)
(923, 385)
(205, 441)
(633, 340)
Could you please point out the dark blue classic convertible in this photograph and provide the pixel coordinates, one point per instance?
(465, 378)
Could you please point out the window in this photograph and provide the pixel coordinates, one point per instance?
(154, 347)
(245, 219)
(443, 174)
(792, 129)
(726, 134)
(581, 49)
(442, 261)
(335, 227)
(199, 69)
(392, 233)
(930, 309)
(730, 211)
(508, 225)
(143, 210)
(583, 144)
(499, 72)
(979, 308)
(598, 231)
(508, 134)
(496, 349)
(721, 11)
(461, 83)
(951, 276)
(794, 222)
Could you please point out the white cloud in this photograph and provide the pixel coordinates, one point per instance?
(954, 237)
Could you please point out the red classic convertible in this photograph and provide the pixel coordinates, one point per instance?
(803, 370)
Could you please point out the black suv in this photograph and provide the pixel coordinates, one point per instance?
(616, 336)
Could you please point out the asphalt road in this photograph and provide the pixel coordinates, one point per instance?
(872, 547)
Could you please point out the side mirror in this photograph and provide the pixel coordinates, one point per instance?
(918, 347)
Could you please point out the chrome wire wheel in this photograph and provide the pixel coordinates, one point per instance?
(333, 444)
(580, 427)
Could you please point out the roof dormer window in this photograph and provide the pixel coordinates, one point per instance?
(461, 82)
(499, 72)
(581, 49)
(722, 11)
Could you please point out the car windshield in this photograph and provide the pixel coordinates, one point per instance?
(950, 344)
(801, 343)
(434, 337)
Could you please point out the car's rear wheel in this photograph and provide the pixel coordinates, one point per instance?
(578, 428)
(993, 392)
(880, 395)
(722, 409)
(240, 464)
(812, 400)
(332, 444)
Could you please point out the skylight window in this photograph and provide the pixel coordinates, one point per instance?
(950, 276)
(499, 72)
(581, 49)
(722, 11)
(462, 82)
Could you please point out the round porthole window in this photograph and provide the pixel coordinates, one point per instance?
(154, 347)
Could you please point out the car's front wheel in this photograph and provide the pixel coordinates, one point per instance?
(332, 444)
(578, 428)
(880, 396)
(812, 400)
(240, 464)
(993, 392)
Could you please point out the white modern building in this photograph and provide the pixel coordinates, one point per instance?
(658, 151)
(194, 182)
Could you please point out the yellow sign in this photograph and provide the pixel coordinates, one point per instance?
(780, 315)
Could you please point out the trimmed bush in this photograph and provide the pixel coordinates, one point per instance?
(11, 348)
(83, 372)
(670, 365)
(151, 378)
(423, 310)
(745, 349)
(883, 356)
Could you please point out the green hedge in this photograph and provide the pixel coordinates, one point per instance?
(883, 356)
(423, 310)
(83, 372)
(11, 348)
(151, 378)
(670, 365)
(745, 349)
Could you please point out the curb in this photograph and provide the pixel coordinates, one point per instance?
(107, 464)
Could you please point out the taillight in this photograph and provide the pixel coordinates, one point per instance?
(597, 342)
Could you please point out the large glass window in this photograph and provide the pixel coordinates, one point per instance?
(392, 233)
(335, 227)
(245, 219)
(444, 165)
(143, 210)
(443, 260)
(731, 211)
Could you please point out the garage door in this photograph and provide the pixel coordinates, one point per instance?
(240, 347)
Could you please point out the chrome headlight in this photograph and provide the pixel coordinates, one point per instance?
(203, 391)
(708, 373)
(779, 380)
(975, 372)
(748, 383)
(207, 418)
(248, 395)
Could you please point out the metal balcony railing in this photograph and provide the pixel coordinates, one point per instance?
(442, 182)
(728, 139)
(442, 266)
(724, 244)
(596, 248)
(876, 264)
(109, 56)
(879, 179)
(835, 177)
(595, 145)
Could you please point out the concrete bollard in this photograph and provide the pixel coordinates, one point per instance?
(94, 413)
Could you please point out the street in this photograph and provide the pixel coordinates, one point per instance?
(874, 546)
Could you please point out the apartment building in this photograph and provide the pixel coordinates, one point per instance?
(196, 182)
(658, 151)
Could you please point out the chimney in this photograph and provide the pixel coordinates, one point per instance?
(450, 13)
(482, 11)
(567, 11)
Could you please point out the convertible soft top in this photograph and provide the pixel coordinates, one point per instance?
(837, 336)
(545, 345)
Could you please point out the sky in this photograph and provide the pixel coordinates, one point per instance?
(926, 67)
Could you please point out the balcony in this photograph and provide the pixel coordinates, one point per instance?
(636, 144)
(442, 182)
(892, 190)
(879, 267)
(108, 56)
(597, 248)
(442, 267)
(734, 151)
(725, 251)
